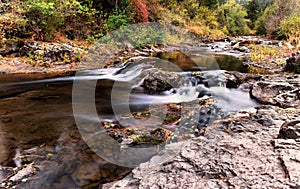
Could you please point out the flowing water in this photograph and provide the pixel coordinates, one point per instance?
(37, 115)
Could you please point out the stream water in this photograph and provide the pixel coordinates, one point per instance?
(37, 115)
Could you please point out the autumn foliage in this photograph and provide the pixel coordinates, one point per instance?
(141, 10)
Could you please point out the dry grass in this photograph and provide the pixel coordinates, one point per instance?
(267, 54)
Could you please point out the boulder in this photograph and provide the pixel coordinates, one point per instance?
(293, 63)
(11, 47)
(278, 90)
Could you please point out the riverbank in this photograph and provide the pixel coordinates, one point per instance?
(261, 55)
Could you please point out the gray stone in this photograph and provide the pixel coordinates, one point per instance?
(233, 153)
(280, 90)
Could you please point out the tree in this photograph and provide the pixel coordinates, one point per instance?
(232, 16)
(280, 10)
(254, 11)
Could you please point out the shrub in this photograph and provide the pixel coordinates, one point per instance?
(117, 19)
(140, 10)
(47, 16)
(259, 25)
(12, 26)
(199, 20)
(291, 28)
(44, 18)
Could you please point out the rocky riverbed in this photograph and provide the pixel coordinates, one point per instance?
(247, 148)
(258, 150)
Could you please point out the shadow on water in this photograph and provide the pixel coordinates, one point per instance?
(231, 63)
(204, 61)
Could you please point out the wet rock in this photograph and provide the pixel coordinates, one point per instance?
(22, 174)
(267, 91)
(245, 41)
(5, 172)
(158, 81)
(235, 79)
(244, 77)
(30, 136)
(293, 63)
(233, 153)
(15, 176)
(245, 87)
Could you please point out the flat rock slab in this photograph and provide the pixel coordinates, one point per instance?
(233, 153)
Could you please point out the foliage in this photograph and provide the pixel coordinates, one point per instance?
(264, 54)
(254, 11)
(212, 4)
(273, 15)
(232, 16)
(138, 35)
(259, 24)
(200, 20)
(140, 10)
(92, 19)
(12, 26)
(291, 28)
(117, 19)
(43, 17)
(126, 12)
(47, 17)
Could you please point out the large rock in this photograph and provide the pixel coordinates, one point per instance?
(293, 63)
(53, 52)
(280, 90)
(233, 153)
(157, 80)
(11, 47)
